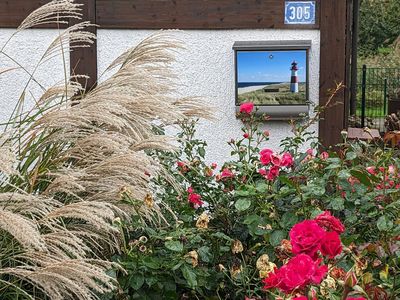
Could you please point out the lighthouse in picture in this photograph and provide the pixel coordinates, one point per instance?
(294, 81)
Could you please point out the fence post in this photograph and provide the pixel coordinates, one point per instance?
(363, 100)
(385, 97)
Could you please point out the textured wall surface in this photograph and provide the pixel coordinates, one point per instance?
(206, 69)
(27, 48)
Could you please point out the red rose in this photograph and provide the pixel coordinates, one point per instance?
(273, 173)
(299, 272)
(262, 172)
(246, 107)
(359, 298)
(246, 135)
(195, 199)
(331, 245)
(265, 156)
(287, 160)
(329, 222)
(306, 237)
(226, 173)
(300, 298)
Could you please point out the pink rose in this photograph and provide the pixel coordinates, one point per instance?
(195, 199)
(190, 190)
(329, 222)
(276, 159)
(310, 152)
(331, 245)
(265, 156)
(226, 173)
(371, 170)
(214, 166)
(287, 160)
(300, 298)
(299, 272)
(266, 133)
(324, 155)
(273, 173)
(262, 172)
(306, 237)
(246, 107)
(359, 298)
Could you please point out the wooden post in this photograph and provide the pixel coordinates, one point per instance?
(83, 61)
(332, 68)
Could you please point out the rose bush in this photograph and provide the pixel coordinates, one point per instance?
(315, 223)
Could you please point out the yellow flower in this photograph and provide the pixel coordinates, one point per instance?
(264, 266)
(125, 192)
(194, 258)
(237, 247)
(264, 273)
(235, 271)
(149, 201)
(221, 268)
(202, 221)
(262, 262)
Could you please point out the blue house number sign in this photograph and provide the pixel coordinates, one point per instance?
(299, 12)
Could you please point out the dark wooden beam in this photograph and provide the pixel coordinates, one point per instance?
(194, 14)
(13, 12)
(333, 68)
(83, 61)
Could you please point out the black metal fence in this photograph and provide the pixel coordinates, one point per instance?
(375, 87)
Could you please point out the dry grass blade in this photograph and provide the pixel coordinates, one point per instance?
(100, 215)
(68, 279)
(54, 12)
(33, 207)
(7, 158)
(74, 36)
(22, 229)
(61, 91)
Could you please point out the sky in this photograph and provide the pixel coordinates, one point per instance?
(270, 66)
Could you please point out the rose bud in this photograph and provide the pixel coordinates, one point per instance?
(350, 280)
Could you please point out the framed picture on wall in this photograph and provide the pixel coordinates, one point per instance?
(274, 76)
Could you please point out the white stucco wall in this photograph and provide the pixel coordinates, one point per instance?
(206, 69)
(27, 48)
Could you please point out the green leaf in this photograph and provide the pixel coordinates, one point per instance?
(344, 174)
(190, 276)
(351, 155)
(136, 281)
(286, 181)
(337, 203)
(221, 235)
(252, 219)
(174, 246)
(150, 280)
(276, 237)
(262, 187)
(151, 262)
(288, 220)
(204, 253)
(363, 177)
(242, 204)
(202, 152)
(384, 223)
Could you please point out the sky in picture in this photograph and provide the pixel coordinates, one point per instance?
(270, 66)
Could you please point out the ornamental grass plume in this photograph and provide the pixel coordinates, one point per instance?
(74, 167)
